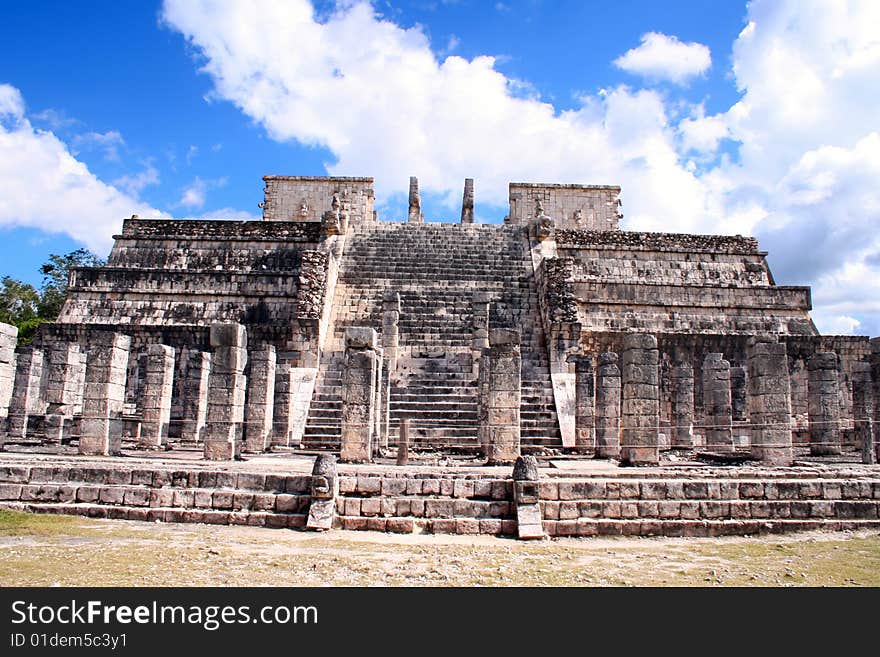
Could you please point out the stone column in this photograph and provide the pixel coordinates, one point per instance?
(8, 338)
(717, 405)
(26, 391)
(158, 382)
(584, 405)
(769, 401)
(61, 389)
(323, 488)
(640, 433)
(359, 395)
(403, 442)
(483, 400)
(283, 411)
(104, 394)
(863, 411)
(390, 332)
(526, 497)
(503, 400)
(226, 392)
(79, 381)
(739, 396)
(480, 339)
(415, 201)
(682, 429)
(874, 363)
(195, 396)
(467, 202)
(824, 404)
(260, 400)
(608, 406)
(377, 441)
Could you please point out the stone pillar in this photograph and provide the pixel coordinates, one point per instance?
(739, 397)
(195, 396)
(682, 429)
(863, 411)
(385, 393)
(8, 338)
(769, 401)
(390, 332)
(824, 404)
(608, 406)
(359, 395)
(403, 442)
(717, 405)
(467, 202)
(415, 201)
(26, 391)
(260, 400)
(61, 389)
(283, 411)
(380, 409)
(158, 382)
(226, 392)
(640, 433)
(526, 497)
(483, 401)
(584, 405)
(874, 363)
(503, 400)
(480, 339)
(104, 394)
(323, 488)
(79, 381)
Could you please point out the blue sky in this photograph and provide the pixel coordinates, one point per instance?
(716, 117)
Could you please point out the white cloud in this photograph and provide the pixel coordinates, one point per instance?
(194, 195)
(108, 142)
(134, 184)
(702, 133)
(46, 187)
(11, 102)
(441, 120)
(664, 57)
(802, 173)
(230, 214)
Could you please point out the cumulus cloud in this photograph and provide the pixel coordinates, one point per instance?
(107, 142)
(135, 183)
(46, 187)
(194, 195)
(664, 57)
(801, 176)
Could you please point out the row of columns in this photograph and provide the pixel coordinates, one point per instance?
(761, 391)
(62, 383)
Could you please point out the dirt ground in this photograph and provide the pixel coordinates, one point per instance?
(41, 550)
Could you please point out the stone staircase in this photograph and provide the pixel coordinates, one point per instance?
(436, 269)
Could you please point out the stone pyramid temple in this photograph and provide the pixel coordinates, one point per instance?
(324, 329)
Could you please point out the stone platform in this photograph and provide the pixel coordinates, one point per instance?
(577, 497)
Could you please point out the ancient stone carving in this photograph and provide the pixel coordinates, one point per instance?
(526, 497)
(323, 488)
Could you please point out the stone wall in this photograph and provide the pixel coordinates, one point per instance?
(307, 198)
(711, 503)
(589, 207)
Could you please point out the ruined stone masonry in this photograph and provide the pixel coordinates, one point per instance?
(700, 385)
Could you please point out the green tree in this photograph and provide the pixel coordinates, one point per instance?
(18, 301)
(19, 306)
(55, 274)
